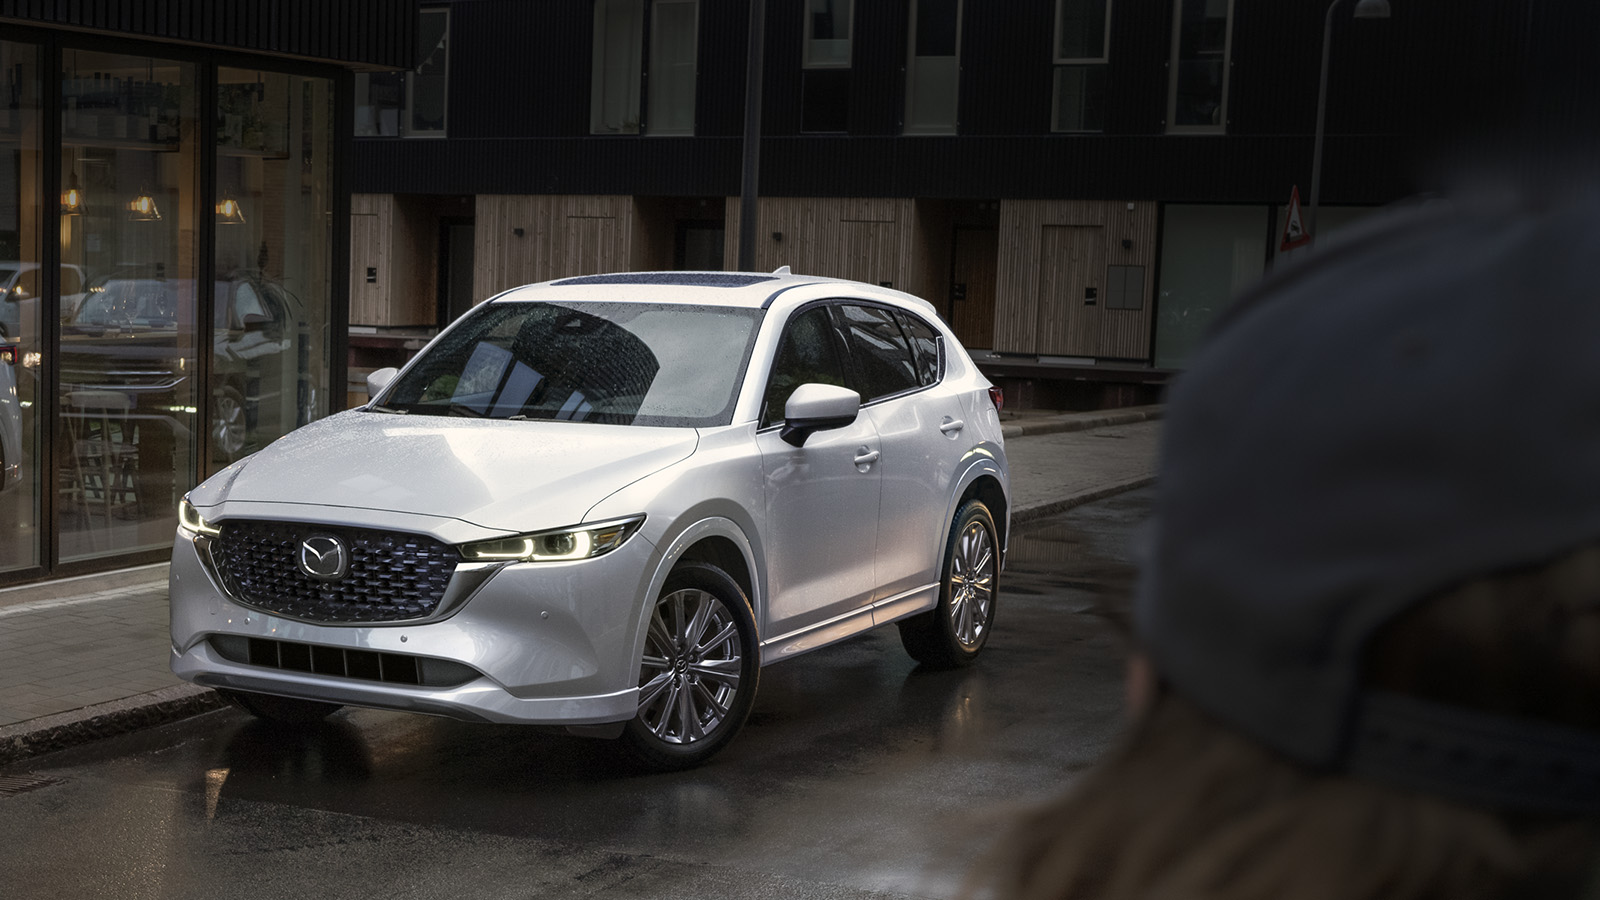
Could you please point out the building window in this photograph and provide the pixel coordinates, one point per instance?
(410, 104)
(1201, 40)
(828, 24)
(627, 79)
(933, 73)
(825, 83)
(1082, 39)
(1209, 256)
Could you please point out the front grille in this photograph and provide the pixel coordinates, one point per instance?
(367, 665)
(392, 576)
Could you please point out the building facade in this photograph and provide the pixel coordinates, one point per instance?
(174, 222)
(1080, 186)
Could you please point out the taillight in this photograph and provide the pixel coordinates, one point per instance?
(997, 397)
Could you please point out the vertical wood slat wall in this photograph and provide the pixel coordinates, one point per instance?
(1120, 334)
(873, 240)
(562, 236)
(398, 238)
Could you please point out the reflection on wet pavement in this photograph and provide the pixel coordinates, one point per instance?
(858, 772)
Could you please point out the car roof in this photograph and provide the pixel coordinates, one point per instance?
(746, 290)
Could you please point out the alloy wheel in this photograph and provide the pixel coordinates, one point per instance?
(690, 672)
(972, 584)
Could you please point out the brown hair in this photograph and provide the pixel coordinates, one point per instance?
(1190, 809)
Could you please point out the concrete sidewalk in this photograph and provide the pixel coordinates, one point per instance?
(85, 658)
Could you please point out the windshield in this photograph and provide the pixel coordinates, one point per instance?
(611, 363)
(130, 301)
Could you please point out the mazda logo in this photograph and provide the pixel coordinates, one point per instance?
(323, 557)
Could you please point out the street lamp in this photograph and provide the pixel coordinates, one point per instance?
(1365, 9)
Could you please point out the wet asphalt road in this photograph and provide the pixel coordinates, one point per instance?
(858, 775)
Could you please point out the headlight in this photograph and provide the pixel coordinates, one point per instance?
(189, 519)
(578, 542)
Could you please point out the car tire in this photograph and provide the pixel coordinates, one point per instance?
(698, 673)
(954, 632)
(282, 710)
(229, 429)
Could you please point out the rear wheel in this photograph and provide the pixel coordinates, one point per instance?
(952, 633)
(697, 676)
(283, 710)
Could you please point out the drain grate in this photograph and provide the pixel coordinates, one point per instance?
(21, 784)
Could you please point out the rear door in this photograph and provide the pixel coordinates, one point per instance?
(897, 369)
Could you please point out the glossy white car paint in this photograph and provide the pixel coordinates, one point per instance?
(828, 539)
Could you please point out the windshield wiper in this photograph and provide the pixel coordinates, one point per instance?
(374, 407)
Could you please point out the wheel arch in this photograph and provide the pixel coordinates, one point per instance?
(985, 484)
(715, 540)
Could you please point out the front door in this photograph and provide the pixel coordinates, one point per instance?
(822, 498)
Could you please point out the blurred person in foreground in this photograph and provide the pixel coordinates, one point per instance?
(1368, 624)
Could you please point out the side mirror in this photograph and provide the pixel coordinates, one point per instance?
(380, 379)
(817, 407)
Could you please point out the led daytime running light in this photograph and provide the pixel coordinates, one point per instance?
(189, 519)
(563, 545)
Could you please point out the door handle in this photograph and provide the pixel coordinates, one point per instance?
(951, 426)
(865, 457)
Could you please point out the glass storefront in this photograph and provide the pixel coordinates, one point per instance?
(125, 450)
(274, 271)
(151, 216)
(23, 220)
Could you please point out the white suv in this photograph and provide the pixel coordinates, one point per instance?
(604, 503)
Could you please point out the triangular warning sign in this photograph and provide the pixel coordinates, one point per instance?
(1294, 233)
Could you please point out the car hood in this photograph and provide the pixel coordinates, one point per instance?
(513, 476)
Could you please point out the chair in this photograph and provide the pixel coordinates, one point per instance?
(105, 452)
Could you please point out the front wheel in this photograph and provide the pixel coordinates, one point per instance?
(229, 430)
(952, 633)
(697, 676)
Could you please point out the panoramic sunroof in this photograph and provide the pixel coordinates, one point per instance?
(686, 279)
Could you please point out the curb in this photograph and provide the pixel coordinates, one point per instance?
(48, 734)
(1051, 507)
(1082, 421)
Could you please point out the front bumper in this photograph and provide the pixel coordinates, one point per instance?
(546, 643)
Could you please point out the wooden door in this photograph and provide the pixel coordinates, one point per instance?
(1071, 289)
(970, 310)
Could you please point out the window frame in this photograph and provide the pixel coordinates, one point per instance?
(911, 70)
(841, 352)
(406, 111)
(842, 328)
(1105, 39)
(806, 62)
(1059, 63)
(641, 83)
(1173, 73)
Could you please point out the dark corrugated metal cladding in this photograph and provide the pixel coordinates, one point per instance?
(357, 31)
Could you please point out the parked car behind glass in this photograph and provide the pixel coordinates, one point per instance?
(604, 503)
(125, 337)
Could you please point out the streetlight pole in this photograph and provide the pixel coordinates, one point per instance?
(1365, 9)
(751, 174)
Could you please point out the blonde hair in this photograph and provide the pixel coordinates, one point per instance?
(1190, 809)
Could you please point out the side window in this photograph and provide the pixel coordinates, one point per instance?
(808, 353)
(883, 358)
(925, 343)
